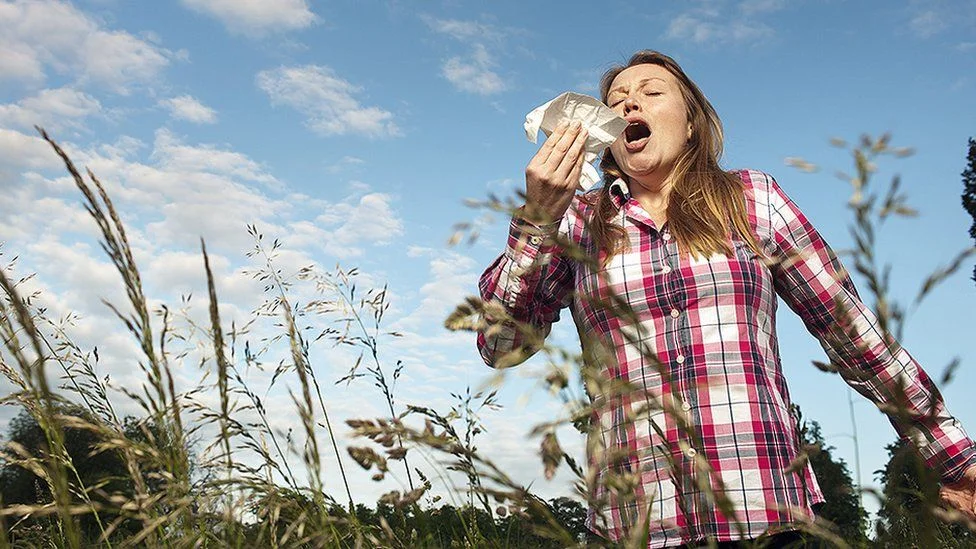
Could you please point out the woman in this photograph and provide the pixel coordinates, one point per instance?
(704, 445)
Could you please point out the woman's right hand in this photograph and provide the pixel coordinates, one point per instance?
(553, 174)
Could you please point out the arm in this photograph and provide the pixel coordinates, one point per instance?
(530, 281)
(816, 286)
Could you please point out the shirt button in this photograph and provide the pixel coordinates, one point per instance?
(666, 269)
(680, 359)
(685, 406)
(666, 236)
(536, 240)
(691, 452)
(675, 313)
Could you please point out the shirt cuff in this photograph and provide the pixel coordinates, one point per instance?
(961, 457)
(530, 244)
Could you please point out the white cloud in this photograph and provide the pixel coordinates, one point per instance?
(186, 191)
(345, 228)
(178, 194)
(928, 23)
(169, 192)
(463, 30)
(450, 279)
(50, 109)
(257, 17)
(710, 28)
(371, 220)
(23, 151)
(345, 163)
(18, 61)
(173, 155)
(327, 101)
(761, 6)
(474, 74)
(189, 108)
(42, 35)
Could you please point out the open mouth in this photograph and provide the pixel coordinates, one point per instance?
(636, 131)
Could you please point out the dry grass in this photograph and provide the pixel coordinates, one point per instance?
(245, 492)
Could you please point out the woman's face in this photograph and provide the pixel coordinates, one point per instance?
(649, 98)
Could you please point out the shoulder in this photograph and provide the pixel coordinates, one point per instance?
(760, 189)
(761, 201)
(755, 180)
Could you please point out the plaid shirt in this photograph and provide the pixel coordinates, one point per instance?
(712, 325)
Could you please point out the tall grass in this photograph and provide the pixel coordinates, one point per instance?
(243, 490)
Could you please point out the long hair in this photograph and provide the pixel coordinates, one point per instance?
(706, 204)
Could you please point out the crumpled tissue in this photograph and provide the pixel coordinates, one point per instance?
(601, 123)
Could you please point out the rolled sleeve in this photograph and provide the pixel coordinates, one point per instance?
(532, 282)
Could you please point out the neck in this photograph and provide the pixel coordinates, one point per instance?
(651, 192)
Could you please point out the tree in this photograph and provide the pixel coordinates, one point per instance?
(102, 473)
(969, 190)
(843, 506)
(571, 515)
(911, 491)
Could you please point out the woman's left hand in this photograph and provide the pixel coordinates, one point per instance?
(961, 495)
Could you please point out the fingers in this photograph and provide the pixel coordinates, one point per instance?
(550, 143)
(562, 142)
(553, 174)
(577, 170)
(559, 156)
(572, 157)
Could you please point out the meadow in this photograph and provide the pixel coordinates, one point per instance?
(204, 467)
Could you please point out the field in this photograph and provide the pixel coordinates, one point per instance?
(204, 468)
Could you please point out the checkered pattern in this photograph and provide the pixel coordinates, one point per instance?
(712, 325)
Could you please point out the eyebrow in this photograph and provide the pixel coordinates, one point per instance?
(639, 84)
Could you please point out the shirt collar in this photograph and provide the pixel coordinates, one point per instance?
(619, 192)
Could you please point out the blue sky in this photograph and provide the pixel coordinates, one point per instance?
(354, 131)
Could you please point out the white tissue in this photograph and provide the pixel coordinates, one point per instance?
(602, 125)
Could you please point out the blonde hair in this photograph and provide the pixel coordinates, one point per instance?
(706, 204)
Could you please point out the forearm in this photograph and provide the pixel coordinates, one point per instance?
(525, 286)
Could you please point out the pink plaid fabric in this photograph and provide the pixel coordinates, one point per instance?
(712, 324)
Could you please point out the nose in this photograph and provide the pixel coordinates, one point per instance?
(630, 104)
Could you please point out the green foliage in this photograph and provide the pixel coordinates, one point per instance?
(969, 190)
(99, 466)
(469, 526)
(843, 506)
(911, 492)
